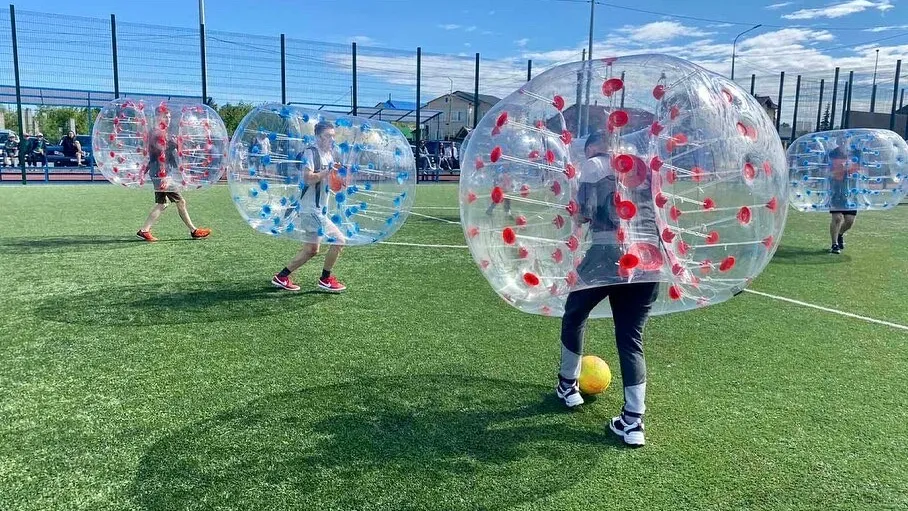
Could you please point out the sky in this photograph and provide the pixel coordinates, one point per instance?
(807, 37)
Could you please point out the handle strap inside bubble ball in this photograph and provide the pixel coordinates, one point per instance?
(317, 165)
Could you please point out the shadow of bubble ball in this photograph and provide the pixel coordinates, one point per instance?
(171, 303)
(414, 442)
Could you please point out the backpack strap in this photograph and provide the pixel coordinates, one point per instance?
(317, 165)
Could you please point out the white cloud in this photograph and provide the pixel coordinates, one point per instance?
(721, 25)
(884, 29)
(467, 45)
(491, 13)
(522, 42)
(779, 5)
(659, 31)
(840, 9)
(449, 26)
(362, 39)
(470, 28)
(488, 32)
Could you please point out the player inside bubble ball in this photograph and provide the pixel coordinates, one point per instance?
(320, 167)
(630, 303)
(840, 207)
(162, 165)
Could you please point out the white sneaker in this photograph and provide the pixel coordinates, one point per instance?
(631, 434)
(569, 392)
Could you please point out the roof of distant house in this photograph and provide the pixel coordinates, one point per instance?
(397, 104)
(766, 102)
(468, 97)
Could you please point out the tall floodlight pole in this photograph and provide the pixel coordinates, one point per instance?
(734, 46)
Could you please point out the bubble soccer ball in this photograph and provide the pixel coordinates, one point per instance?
(171, 146)
(595, 375)
(686, 185)
(842, 170)
(321, 177)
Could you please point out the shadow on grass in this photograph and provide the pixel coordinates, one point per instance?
(414, 442)
(800, 255)
(175, 303)
(27, 245)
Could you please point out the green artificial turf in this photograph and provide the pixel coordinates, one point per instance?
(173, 376)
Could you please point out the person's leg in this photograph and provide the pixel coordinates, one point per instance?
(847, 223)
(155, 213)
(184, 214)
(631, 305)
(307, 252)
(577, 310)
(331, 258)
(835, 225)
(282, 278)
(182, 209)
(326, 282)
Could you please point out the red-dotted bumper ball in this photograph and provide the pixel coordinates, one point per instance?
(169, 146)
(848, 170)
(668, 173)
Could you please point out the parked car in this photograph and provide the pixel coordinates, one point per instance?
(4, 136)
(56, 157)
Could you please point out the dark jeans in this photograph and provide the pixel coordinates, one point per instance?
(631, 305)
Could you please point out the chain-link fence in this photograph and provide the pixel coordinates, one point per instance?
(51, 60)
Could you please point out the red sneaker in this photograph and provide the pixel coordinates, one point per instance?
(200, 233)
(284, 283)
(331, 285)
(146, 235)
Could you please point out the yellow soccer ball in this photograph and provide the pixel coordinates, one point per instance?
(595, 375)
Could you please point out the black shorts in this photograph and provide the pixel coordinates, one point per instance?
(846, 212)
(162, 197)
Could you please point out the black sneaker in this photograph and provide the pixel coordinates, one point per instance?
(835, 250)
(841, 242)
(568, 392)
(631, 434)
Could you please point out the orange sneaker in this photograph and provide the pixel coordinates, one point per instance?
(200, 233)
(146, 235)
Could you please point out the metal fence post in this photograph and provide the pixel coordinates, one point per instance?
(820, 104)
(794, 120)
(418, 95)
(476, 94)
(847, 113)
(355, 86)
(873, 99)
(835, 92)
(844, 105)
(12, 23)
(283, 69)
(202, 52)
(895, 90)
(116, 66)
(781, 86)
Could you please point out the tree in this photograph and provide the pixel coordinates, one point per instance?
(824, 124)
(233, 115)
(54, 121)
